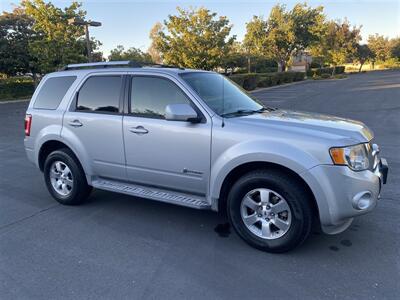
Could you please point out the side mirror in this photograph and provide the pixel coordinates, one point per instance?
(181, 112)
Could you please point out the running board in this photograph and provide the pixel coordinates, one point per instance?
(152, 193)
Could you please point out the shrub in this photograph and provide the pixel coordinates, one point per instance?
(237, 78)
(268, 69)
(391, 63)
(250, 82)
(339, 69)
(16, 88)
(340, 76)
(253, 80)
(325, 76)
(263, 81)
(246, 81)
(319, 72)
(298, 76)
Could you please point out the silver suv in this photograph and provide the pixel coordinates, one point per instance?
(194, 138)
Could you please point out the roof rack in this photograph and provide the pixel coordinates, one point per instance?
(113, 64)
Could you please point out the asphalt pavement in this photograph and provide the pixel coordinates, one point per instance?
(117, 246)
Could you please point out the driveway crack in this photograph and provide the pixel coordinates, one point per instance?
(28, 217)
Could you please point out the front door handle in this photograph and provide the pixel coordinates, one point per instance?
(75, 123)
(138, 130)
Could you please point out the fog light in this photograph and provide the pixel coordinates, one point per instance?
(362, 200)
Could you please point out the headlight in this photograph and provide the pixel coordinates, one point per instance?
(355, 157)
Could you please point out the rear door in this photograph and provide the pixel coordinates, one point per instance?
(94, 124)
(168, 154)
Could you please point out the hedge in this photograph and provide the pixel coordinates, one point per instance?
(253, 80)
(319, 71)
(16, 88)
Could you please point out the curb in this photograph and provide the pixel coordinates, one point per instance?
(281, 85)
(14, 101)
(295, 83)
(332, 79)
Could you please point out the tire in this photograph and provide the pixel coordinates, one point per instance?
(65, 178)
(276, 226)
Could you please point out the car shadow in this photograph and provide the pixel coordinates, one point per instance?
(145, 217)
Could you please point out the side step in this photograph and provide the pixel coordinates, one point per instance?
(152, 193)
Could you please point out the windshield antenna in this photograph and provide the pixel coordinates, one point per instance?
(223, 102)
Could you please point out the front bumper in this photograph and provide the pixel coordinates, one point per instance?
(343, 194)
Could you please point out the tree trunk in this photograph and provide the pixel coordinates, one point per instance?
(248, 65)
(333, 70)
(361, 65)
(281, 66)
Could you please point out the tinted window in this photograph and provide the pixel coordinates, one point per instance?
(151, 95)
(53, 91)
(100, 93)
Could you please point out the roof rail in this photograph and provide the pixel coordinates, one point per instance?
(113, 64)
(104, 64)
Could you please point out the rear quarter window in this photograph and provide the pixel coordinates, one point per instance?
(53, 91)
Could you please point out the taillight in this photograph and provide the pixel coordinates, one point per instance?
(28, 123)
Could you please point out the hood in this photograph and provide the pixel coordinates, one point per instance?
(312, 122)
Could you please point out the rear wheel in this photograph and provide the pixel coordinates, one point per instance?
(65, 178)
(270, 210)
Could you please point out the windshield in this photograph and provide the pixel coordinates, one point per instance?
(222, 95)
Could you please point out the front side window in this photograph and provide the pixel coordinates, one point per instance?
(100, 94)
(53, 91)
(220, 94)
(151, 95)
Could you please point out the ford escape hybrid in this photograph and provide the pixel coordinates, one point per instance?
(194, 138)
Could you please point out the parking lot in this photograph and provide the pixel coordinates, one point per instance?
(117, 246)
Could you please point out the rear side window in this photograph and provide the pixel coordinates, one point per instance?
(53, 91)
(100, 94)
(151, 95)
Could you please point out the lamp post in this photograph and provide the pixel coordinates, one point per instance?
(81, 22)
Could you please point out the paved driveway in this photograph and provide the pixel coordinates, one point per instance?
(121, 247)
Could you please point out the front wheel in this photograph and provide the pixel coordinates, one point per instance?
(270, 210)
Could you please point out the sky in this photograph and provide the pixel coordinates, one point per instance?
(128, 23)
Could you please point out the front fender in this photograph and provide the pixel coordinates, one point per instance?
(280, 153)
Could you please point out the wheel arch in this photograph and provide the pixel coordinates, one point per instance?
(51, 146)
(247, 167)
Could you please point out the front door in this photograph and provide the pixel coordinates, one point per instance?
(94, 125)
(169, 154)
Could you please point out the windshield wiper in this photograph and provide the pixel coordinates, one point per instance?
(242, 112)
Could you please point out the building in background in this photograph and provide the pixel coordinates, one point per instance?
(301, 62)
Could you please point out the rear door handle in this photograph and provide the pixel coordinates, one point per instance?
(138, 130)
(75, 123)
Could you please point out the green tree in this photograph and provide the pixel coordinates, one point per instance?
(153, 51)
(363, 54)
(235, 58)
(285, 33)
(132, 53)
(380, 47)
(339, 43)
(16, 34)
(255, 38)
(194, 39)
(254, 41)
(395, 47)
(58, 43)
